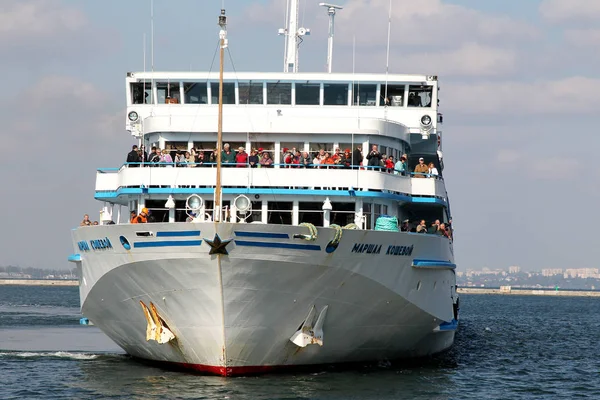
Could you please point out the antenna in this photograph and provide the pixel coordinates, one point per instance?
(152, 34)
(387, 62)
(331, 9)
(293, 35)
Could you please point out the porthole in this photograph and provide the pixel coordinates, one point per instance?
(419, 285)
(434, 285)
(125, 243)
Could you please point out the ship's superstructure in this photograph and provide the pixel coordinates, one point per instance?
(247, 266)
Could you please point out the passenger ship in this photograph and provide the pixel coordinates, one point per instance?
(247, 270)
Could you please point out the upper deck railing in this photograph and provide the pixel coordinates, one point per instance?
(277, 176)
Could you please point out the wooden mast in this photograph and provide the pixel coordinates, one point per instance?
(223, 45)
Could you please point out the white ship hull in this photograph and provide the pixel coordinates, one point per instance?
(235, 314)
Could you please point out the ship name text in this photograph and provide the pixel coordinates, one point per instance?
(95, 244)
(372, 248)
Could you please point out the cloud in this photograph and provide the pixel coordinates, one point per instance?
(561, 11)
(414, 23)
(29, 20)
(58, 132)
(35, 31)
(431, 22)
(574, 95)
(587, 38)
(469, 59)
(536, 166)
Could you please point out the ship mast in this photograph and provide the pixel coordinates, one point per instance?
(293, 36)
(223, 44)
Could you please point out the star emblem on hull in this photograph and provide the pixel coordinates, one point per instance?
(217, 246)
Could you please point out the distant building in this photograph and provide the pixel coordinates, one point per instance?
(582, 273)
(552, 271)
(515, 269)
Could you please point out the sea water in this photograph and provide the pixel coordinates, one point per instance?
(507, 347)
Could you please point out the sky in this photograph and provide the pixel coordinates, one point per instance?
(519, 92)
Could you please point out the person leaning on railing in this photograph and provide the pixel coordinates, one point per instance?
(374, 158)
(421, 170)
(133, 157)
(400, 166)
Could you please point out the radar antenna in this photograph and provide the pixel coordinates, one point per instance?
(331, 9)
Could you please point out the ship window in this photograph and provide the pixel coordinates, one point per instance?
(256, 214)
(234, 146)
(141, 93)
(364, 95)
(228, 93)
(379, 210)
(205, 146)
(280, 212)
(420, 95)
(279, 93)
(167, 93)
(310, 212)
(315, 148)
(251, 92)
(308, 94)
(349, 146)
(291, 146)
(195, 93)
(264, 146)
(342, 213)
(395, 95)
(335, 94)
(367, 207)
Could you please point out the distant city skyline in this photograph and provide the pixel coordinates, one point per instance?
(518, 80)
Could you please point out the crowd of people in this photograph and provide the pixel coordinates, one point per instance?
(292, 158)
(87, 222)
(436, 228)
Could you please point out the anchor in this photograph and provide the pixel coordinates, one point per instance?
(309, 333)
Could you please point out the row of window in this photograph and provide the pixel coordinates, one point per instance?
(249, 92)
(280, 212)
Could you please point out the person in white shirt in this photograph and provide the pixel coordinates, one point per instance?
(433, 172)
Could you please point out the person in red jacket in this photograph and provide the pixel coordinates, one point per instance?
(241, 158)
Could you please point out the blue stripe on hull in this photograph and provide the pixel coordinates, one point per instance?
(262, 235)
(433, 264)
(74, 258)
(292, 246)
(177, 233)
(173, 243)
(449, 326)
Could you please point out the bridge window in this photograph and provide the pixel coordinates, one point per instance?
(308, 94)
(420, 95)
(367, 208)
(141, 93)
(256, 214)
(342, 213)
(310, 212)
(167, 93)
(280, 212)
(228, 93)
(364, 95)
(279, 93)
(251, 92)
(395, 95)
(195, 93)
(335, 94)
